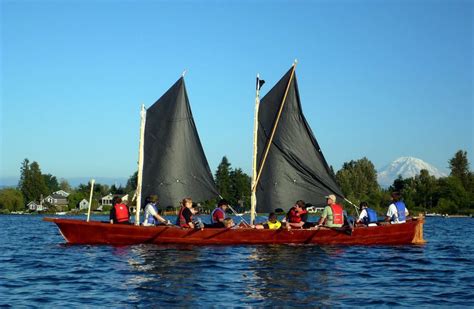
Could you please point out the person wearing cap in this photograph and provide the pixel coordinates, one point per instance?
(397, 211)
(367, 216)
(332, 215)
(152, 216)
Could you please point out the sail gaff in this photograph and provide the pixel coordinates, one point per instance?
(174, 164)
(295, 167)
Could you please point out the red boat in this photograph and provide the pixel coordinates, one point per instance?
(82, 232)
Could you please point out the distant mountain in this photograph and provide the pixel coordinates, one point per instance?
(407, 167)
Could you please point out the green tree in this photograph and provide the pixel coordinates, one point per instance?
(32, 183)
(64, 185)
(358, 180)
(425, 189)
(51, 182)
(459, 166)
(240, 188)
(223, 181)
(132, 183)
(11, 200)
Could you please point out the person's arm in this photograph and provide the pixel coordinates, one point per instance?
(152, 211)
(389, 215)
(187, 216)
(112, 215)
(361, 216)
(323, 216)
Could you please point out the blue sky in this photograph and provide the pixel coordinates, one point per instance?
(380, 79)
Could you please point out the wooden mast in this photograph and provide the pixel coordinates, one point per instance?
(90, 200)
(253, 197)
(140, 163)
(274, 127)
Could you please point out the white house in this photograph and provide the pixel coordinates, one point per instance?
(125, 198)
(107, 200)
(34, 206)
(84, 204)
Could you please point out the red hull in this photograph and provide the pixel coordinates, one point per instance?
(81, 232)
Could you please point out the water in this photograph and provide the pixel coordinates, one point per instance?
(39, 270)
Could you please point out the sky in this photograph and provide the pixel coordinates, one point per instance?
(377, 79)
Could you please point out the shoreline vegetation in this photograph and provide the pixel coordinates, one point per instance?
(452, 196)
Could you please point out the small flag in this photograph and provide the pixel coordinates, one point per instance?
(260, 83)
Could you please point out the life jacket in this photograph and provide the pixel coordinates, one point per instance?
(371, 216)
(294, 216)
(121, 213)
(337, 214)
(213, 220)
(181, 220)
(151, 220)
(401, 211)
(274, 226)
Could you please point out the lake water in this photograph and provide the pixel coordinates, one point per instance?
(39, 270)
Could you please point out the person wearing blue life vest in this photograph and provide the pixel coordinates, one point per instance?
(152, 217)
(397, 211)
(367, 216)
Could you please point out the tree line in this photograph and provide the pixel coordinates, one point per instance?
(453, 194)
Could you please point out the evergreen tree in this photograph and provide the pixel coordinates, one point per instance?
(459, 166)
(358, 180)
(51, 183)
(425, 188)
(132, 183)
(223, 181)
(32, 183)
(240, 188)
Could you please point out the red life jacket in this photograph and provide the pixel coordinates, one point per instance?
(121, 213)
(337, 215)
(182, 220)
(294, 216)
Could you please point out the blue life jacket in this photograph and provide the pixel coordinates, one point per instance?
(151, 218)
(401, 211)
(371, 216)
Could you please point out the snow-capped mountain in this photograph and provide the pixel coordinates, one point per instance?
(407, 167)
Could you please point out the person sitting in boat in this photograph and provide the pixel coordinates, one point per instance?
(228, 223)
(297, 215)
(152, 217)
(367, 216)
(271, 224)
(397, 211)
(119, 214)
(218, 215)
(185, 216)
(333, 214)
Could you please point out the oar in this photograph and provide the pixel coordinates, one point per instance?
(235, 213)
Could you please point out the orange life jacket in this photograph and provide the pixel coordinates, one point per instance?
(181, 219)
(121, 213)
(337, 215)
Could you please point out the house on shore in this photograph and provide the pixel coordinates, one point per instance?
(83, 204)
(35, 206)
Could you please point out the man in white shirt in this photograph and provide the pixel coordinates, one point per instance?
(397, 211)
(152, 217)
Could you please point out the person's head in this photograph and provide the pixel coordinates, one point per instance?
(187, 202)
(152, 199)
(272, 217)
(330, 199)
(363, 205)
(396, 196)
(300, 204)
(194, 209)
(117, 200)
(223, 204)
(228, 222)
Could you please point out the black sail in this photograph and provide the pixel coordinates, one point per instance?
(295, 167)
(174, 165)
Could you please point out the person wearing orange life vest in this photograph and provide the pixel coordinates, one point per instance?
(332, 215)
(297, 215)
(185, 215)
(119, 214)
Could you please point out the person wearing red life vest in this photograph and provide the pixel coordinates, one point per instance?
(332, 215)
(119, 214)
(185, 215)
(218, 214)
(297, 215)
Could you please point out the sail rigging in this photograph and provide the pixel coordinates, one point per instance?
(295, 167)
(174, 164)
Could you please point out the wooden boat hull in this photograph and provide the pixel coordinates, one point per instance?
(93, 232)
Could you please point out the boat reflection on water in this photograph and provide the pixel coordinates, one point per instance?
(250, 275)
